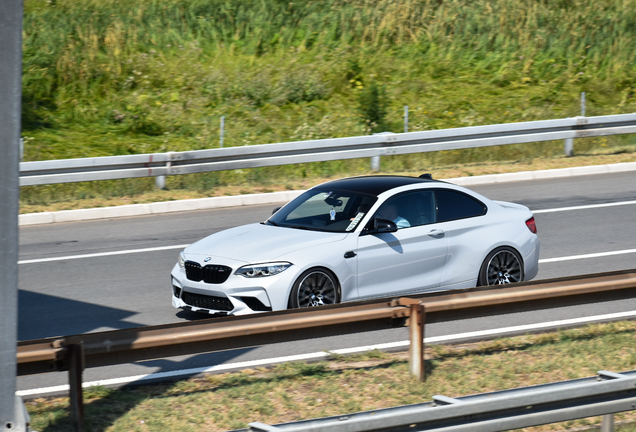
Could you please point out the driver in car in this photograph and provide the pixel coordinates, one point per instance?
(390, 212)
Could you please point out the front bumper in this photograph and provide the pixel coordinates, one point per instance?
(236, 296)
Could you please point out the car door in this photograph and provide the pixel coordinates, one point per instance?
(462, 218)
(409, 260)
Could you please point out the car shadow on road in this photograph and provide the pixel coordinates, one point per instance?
(42, 316)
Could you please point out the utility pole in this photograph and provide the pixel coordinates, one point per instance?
(10, 124)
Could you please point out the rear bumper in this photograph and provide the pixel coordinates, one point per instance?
(531, 262)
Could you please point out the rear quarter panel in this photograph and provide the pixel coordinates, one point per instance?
(472, 239)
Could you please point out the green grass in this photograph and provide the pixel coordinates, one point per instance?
(345, 384)
(121, 77)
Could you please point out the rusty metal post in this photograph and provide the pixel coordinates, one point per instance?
(75, 370)
(416, 346)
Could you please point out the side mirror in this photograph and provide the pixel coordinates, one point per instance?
(383, 226)
(276, 209)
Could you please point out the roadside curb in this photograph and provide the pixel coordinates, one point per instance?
(282, 197)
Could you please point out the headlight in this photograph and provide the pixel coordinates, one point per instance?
(262, 270)
(182, 260)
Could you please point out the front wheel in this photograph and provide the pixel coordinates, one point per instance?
(315, 287)
(502, 266)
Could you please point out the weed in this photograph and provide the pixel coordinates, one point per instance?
(119, 77)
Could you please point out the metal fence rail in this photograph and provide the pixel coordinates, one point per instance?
(217, 334)
(73, 353)
(604, 394)
(189, 162)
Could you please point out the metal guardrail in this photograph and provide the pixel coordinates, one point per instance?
(218, 334)
(189, 162)
(604, 394)
(73, 353)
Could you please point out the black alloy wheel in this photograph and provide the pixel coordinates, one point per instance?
(502, 266)
(315, 287)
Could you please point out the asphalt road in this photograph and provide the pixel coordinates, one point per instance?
(115, 290)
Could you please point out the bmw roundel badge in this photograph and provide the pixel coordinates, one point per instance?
(207, 259)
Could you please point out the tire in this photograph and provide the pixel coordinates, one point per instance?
(502, 266)
(315, 287)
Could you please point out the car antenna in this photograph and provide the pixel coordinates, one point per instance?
(426, 176)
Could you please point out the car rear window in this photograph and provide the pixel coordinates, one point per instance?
(452, 205)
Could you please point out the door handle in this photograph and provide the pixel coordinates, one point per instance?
(436, 232)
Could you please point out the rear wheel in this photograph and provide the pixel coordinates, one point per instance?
(502, 266)
(315, 287)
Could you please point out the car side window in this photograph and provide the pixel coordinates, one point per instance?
(409, 209)
(452, 205)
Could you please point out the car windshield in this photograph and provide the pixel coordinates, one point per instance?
(324, 210)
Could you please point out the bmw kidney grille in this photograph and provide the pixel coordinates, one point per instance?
(212, 274)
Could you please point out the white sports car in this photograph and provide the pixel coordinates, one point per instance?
(359, 238)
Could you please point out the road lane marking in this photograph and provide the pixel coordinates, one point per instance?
(132, 251)
(593, 255)
(101, 254)
(585, 207)
(323, 354)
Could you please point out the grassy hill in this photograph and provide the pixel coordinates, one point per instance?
(116, 77)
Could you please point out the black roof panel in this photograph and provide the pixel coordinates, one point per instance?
(372, 185)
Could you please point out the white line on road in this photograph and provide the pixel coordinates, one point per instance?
(322, 354)
(101, 254)
(594, 255)
(124, 252)
(585, 207)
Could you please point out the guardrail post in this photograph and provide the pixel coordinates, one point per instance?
(375, 163)
(416, 346)
(160, 181)
(607, 423)
(569, 147)
(569, 142)
(75, 354)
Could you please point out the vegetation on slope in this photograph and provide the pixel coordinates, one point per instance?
(122, 77)
(347, 384)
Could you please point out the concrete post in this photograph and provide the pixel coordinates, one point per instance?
(10, 124)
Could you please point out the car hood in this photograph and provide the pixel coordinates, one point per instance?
(256, 243)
